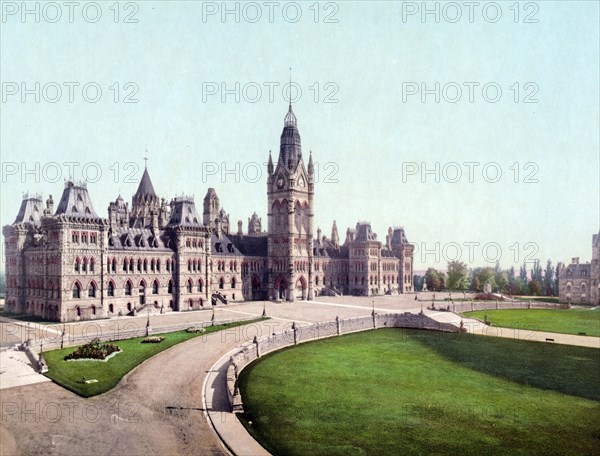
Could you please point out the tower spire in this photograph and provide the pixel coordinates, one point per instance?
(290, 92)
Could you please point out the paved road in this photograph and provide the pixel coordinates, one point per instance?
(157, 409)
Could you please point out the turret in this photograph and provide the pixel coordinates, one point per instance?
(335, 237)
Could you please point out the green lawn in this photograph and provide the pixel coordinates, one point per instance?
(70, 374)
(393, 391)
(566, 321)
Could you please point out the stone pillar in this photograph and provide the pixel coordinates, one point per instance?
(295, 329)
(337, 324)
(255, 342)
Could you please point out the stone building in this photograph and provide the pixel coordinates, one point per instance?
(579, 283)
(69, 263)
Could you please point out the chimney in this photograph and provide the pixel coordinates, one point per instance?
(575, 260)
(240, 230)
(319, 235)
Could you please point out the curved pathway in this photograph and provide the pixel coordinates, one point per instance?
(159, 407)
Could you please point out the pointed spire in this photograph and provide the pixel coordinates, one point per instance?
(145, 188)
(290, 118)
(335, 237)
(270, 164)
(311, 167)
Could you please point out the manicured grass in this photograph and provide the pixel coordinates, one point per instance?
(393, 391)
(539, 299)
(566, 321)
(70, 374)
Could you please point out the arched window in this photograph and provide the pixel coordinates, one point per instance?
(125, 264)
(158, 265)
(77, 264)
(233, 282)
(145, 265)
(84, 264)
(170, 287)
(92, 290)
(91, 265)
(111, 308)
(128, 288)
(189, 265)
(189, 286)
(139, 265)
(200, 286)
(110, 291)
(155, 287)
(221, 283)
(114, 265)
(152, 265)
(77, 290)
(93, 310)
(130, 264)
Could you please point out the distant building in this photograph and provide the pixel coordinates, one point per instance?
(71, 264)
(579, 283)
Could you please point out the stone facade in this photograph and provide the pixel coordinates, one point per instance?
(71, 264)
(579, 283)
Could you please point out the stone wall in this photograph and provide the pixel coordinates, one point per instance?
(251, 351)
(492, 305)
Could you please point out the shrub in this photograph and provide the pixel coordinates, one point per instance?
(192, 329)
(93, 350)
(153, 340)
(485, 297)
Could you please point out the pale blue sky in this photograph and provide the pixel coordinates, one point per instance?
(369, 133)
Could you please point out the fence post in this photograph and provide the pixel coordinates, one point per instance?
(295, 329)
(337, 324)
(255, 341)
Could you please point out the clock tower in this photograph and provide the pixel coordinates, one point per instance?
(290, 191)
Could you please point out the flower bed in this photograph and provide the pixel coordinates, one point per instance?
(153, 340)
(192, 329)
(93, 350)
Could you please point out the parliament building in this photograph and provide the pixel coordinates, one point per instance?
(66, 263)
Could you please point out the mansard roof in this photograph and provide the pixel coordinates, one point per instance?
(184, 213)
(76, 202)
(223, 245)
(398, 237)
(31, 211)
(364, 232)
(251, 245)
(327, 249)
(575, 270)
(125, 237)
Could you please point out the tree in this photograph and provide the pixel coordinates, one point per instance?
(502, 281)
(418, 282)
(536, 272)
(486, 275)
(534, 287)
(523, 273)
(434, 279)
(475, 285)
(548, 288)
(457, 276)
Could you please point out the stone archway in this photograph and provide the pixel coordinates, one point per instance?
(256, 295)
(301, 288)
(281, 286)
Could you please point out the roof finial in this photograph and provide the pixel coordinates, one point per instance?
(290, 93)
(146, 158)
